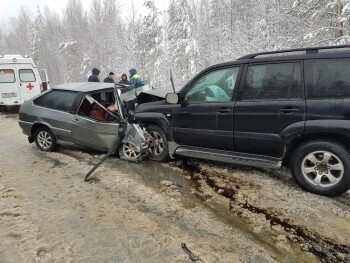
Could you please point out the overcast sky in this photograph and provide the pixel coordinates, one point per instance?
(10, 8)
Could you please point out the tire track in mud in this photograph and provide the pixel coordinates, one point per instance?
(323, 248)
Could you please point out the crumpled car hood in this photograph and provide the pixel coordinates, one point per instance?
(155, 94)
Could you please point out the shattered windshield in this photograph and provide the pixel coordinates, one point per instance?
(101, 106)
(127, 94)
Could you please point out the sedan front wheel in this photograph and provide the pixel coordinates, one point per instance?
(129, 152)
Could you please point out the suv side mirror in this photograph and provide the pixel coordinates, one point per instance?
(172, 98)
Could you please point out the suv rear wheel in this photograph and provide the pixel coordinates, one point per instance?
(45, 140)
(158, 145)
(322, 167)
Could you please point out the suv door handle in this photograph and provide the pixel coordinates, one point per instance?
(288, 110)
(224, 110)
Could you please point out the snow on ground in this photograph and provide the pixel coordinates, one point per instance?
(143, 212)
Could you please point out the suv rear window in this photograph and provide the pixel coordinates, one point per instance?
(327, 78)
(7, 76)
(272, 81)
(57, 100)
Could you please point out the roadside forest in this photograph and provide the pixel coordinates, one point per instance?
(187, 37)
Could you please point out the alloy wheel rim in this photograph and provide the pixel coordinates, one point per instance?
(156, 144)
(322, 168)
(44, 140)
(130, 151)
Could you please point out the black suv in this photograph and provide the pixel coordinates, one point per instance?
(287, 107)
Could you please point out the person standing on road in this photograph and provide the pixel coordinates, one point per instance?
(124, 79)
(94, 76)
(109, 78)
(135, 79)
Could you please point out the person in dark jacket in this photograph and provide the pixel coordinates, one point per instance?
(135, 79)
(94, 76)
(124, 79)
(109, 78)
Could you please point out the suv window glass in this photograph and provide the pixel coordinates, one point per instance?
(327, 78)
(26, 75)
(215, 86)
(7, 76)
(57, 100)
(272, 81)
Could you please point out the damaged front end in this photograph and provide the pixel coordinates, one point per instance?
(134, 141)
(134, 144)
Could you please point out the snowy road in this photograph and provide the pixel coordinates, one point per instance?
(143, 212)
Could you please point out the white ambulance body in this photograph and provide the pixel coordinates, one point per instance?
(19, 80)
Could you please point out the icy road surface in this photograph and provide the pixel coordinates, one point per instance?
(143, 212)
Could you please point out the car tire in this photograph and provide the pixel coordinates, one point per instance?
(158, 149)
(45, 140)
(127, 151)
(321, 167)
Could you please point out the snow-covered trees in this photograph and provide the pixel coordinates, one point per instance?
(19, 32)
(134, 42)
(189, 36)
(106, 36)
(38, 45)
(183, 53)
(151, 51)
(73, 45)
(327, 21)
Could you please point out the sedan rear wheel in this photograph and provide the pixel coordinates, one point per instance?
(45, 140)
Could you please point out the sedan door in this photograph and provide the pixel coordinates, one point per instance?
(94, 133)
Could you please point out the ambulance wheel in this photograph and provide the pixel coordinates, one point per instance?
(45, 140)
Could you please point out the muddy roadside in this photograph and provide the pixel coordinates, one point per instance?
(144, 212)
(271, 204)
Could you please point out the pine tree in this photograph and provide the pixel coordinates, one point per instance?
(75, 41)
(151, 53)
(37, 39)
(111, 31)
(53, 34)
(134, 41)
(183, 51)
(204, 33)
(327, 21)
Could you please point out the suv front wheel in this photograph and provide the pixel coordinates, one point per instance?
(322, 167)
(158, 145)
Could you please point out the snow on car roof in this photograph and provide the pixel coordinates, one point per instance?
(85, 86)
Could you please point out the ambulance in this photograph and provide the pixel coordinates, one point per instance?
(19, 80)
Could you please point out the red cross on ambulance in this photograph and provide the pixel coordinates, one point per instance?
(30, 86)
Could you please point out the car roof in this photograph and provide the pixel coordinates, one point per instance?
(341, 51)
(85, 86)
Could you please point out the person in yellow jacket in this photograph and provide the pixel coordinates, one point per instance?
(135, 79)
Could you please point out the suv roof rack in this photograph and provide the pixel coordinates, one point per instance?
(308, 50)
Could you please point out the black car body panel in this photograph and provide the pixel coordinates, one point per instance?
(266, 109)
